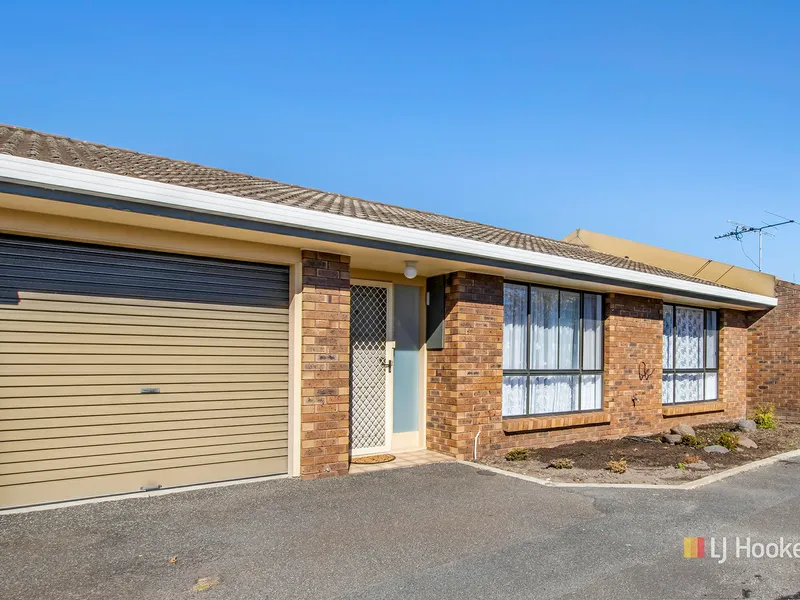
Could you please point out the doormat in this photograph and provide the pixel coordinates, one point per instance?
(372, 460)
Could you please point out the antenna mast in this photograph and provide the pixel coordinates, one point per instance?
(739, 230)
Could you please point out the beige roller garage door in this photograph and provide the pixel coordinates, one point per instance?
(122, 370)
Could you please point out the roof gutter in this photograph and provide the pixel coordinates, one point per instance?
(46, 175)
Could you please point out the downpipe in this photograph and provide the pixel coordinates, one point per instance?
(475, 447)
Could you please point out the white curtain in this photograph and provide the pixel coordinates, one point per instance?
(514, 395)
(667, 388)
(688, 334)
(669, 338)
(544, 321)
(712, 385)
(689, 341)
(591, 392)
(711, 339)
(592, 331)
(555, 322)
(569, 322)
(688, 387)
(554, 393)
(515, 317)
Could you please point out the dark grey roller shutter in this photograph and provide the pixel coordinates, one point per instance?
(66, 268)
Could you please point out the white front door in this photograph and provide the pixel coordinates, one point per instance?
(371, 358)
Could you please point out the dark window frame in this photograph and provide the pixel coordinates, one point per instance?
(674, 371)
(528, 372)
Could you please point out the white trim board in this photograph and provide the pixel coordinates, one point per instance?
(37, 173)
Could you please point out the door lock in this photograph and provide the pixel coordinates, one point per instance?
(388, 365)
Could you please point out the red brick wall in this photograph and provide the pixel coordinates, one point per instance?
(774, 354)
(465, 379)
(325, 388)
(733, 361)
(633, 331)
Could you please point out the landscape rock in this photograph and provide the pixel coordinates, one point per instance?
(746, 442)
(682, 429)
(700, 465)
(746, 425)
(716, 449)
(671, 438)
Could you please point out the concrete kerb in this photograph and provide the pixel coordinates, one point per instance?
(689, 485)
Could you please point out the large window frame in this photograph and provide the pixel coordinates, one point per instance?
(528, 372)
(705, 370)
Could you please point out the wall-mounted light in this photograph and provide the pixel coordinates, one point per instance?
(411, 269)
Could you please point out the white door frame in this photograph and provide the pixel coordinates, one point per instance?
(389, 356)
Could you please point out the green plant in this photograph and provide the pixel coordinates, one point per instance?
(692, 441)
(728, 440)
(618, 466)
(681, 466)
(561, 463)
(517, 454)
(764, 416)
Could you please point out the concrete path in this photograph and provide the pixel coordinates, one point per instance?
(439, 531)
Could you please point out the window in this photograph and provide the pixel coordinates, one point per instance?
(691, 354)
(552, 351)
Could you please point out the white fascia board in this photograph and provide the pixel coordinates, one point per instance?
(37, 173)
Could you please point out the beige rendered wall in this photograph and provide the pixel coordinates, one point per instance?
(695, 266)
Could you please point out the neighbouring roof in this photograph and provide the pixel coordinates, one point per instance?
(26, 143)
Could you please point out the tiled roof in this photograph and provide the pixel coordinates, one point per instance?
(26, 143)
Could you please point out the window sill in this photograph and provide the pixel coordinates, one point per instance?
(522, 424)
(692, 408)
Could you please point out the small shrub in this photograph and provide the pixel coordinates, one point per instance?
(764, 416)
(517, 454)
(618, 466)
(692, 441)
(690, 459)
(681, 466)
(562, 463)
(728, 440)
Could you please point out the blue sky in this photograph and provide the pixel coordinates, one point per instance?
(652, 122)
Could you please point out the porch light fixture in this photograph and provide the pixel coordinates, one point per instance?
(411, 269)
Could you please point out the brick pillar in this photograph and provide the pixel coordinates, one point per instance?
(733, 362)
(465, 380)
(633, 361)
(773, 365)
(325, 389)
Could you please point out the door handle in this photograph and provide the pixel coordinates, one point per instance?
(388, 365)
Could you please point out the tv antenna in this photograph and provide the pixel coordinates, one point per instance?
(739, 230)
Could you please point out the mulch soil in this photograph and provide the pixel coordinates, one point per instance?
(649, 458)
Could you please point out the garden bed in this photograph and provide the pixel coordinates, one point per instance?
(649, 460)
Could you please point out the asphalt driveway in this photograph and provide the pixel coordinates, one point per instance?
(439, 531)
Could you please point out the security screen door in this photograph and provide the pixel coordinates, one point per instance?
(370, 367)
